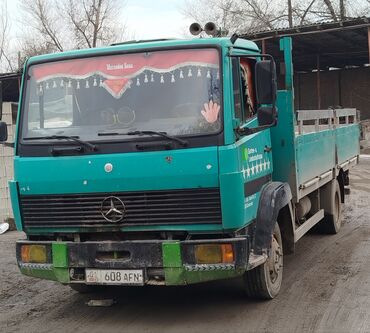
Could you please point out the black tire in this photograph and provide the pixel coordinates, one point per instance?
(264, 281)
(331, 223)
(85, 288)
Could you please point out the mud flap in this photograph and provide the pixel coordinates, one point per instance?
(274, 196)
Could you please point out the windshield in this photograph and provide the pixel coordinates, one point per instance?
(176, 91)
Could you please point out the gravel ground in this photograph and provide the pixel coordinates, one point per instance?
(326, 288)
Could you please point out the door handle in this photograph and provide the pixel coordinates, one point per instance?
(267, 149)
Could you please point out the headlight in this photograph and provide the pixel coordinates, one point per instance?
(34, 254)
(214, 254)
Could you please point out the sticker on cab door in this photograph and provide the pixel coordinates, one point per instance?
(254, 163)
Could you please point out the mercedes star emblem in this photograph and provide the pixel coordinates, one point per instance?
(113, 209)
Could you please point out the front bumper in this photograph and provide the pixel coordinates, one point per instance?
(163, 262)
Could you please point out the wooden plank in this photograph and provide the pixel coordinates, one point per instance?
(314, 114)
(345, 112)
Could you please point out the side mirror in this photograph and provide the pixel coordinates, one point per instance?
(266, 92)
(3, 132)
(266, 82)
(266, 116)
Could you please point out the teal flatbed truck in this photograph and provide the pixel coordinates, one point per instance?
(172, 162)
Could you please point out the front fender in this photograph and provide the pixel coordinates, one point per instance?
(274, 197)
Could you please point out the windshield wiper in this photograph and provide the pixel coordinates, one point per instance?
(64, 137)
(163, 134)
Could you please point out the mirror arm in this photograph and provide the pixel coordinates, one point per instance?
(248, 131)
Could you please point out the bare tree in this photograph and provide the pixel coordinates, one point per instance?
(67, 24)
(226, 14)
(339, 9)
(95, 22)
(259, 10)
(305, 12)
(32, 47)
(342, 9)
(43, 18)
(5, 58)
(236, 15)
(290, 13)
(250, 15)
(331, 9)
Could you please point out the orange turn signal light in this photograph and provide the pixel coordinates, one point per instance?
(214, 254)
(34, 254)
(227, 253)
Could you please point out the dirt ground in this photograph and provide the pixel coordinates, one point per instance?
(326, 288)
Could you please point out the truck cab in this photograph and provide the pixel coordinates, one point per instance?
(169, 163)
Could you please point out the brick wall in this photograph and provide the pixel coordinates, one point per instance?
(348, 88)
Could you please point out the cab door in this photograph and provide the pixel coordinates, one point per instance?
(254, 150)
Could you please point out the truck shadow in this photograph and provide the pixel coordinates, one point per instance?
(161, 305)
(213, 305)
(203, 293)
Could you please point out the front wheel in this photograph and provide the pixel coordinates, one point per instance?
(264, 281)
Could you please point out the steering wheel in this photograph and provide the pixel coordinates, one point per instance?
(108, 116)
(125, 116)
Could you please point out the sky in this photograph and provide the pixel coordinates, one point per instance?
(148, 19)
(145, 19)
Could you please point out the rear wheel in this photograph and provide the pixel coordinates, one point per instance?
(332, 221)
(264, 281)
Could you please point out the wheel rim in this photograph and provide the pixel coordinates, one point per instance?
(275, 260)
(337, 211)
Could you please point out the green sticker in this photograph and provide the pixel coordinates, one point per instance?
(245, 155)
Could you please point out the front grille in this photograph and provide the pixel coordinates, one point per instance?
(142, 208)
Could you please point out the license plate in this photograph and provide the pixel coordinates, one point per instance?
(114, 276)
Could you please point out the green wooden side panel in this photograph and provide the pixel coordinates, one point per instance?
(315, 154)
(347, 140)
(319, 152)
